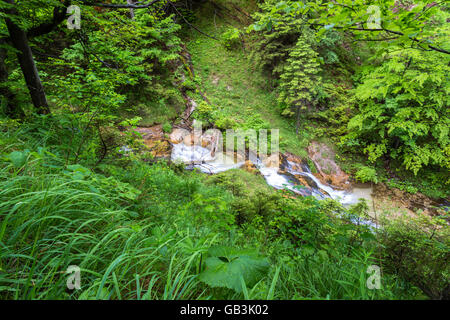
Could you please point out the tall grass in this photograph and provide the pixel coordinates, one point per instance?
(143, 232)
(336, 276)
(50, 221)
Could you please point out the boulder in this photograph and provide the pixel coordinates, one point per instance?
(155, 132)
(209, 141)
(192, 139)
(250, 167)
(154, 140)
(178, 135)
(291, 162)
(272, 161)
(159, 148)
(328, 171)
(305, 181)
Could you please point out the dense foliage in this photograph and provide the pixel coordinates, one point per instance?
(141, 232)
(403, 110)
(78, 186)
(401, 93)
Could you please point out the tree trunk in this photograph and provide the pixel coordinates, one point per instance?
(12, 108)
(19, 40)
(131, 10)
(297, 125)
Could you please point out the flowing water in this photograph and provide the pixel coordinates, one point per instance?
(201, 158)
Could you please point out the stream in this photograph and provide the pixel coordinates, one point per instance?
(199, 157)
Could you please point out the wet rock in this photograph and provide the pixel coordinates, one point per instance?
(306, 181)
(293, 163)
(411, 203)
(191, 139)
(188, 140)
(303, 191)
(154, 132)
(209, 141)
(161, 149)
(178, 135)
(239, 157)
(154, 139)
(250, 167)
(323, 193)
(272, 161)
(305, 184)
(328, 171)
(206, 143)
(299, 179)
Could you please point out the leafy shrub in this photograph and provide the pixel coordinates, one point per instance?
(145, 232)
(299, 80)
(189, 84)
(167, 127)
(366, 174)
(224, 122)
(255, 121)
(418, 249)
(402, 186)
(402, 115)
(231, 38)
(210, 114)
(70, 213)
(301, 222)
(260, 204)
(273, 46)
(204, 112)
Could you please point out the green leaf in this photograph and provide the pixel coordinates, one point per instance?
(225, 267)
(18, 158)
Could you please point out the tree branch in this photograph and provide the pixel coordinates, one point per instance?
(120, 6)
(59, 15)
(386, 30)
(191, 25)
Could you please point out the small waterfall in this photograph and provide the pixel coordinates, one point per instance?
(191, 154)
(198, 157)
(344, 197)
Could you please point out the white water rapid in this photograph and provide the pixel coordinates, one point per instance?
(201, 158)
